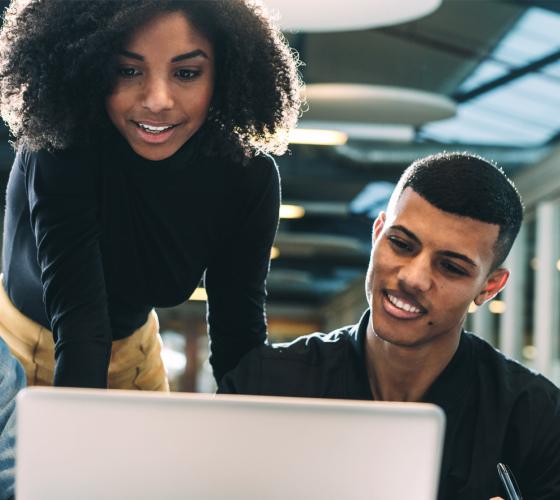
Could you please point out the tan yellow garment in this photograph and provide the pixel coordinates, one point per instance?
(135, 361)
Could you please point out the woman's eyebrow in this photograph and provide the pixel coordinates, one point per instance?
(190, 55)
(181, 57)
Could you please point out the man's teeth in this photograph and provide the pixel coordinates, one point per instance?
(402, 305)
(154, 130)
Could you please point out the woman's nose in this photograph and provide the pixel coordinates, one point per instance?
(157, 95)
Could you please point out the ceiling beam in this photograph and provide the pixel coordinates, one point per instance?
(512, 75)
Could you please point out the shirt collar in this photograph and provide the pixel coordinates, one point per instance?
(357, 334)
(454, 382)
(450, 386)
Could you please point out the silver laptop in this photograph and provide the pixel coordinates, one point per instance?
(76, 444)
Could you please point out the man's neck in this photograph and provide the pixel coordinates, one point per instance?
(399, 373)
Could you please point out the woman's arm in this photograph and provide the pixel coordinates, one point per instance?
(61, 191)
(235, 279)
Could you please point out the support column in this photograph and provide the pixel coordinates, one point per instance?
(514, 296)
(547, 299)
(483, 324)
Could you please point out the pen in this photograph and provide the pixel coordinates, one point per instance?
(509, 482)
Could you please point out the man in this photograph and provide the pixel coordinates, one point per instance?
(449, 226)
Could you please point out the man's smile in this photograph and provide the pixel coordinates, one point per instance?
(401, 305)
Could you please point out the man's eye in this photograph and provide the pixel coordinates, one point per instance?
(187, 74)
(125, 72)
(399, 244)
(452, 268)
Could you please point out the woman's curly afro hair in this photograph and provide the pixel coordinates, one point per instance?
(57, 66)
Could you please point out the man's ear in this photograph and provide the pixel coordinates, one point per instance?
(492, 286)
(378, 225)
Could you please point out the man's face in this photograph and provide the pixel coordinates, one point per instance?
(426, 267)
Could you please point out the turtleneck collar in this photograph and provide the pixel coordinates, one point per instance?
(186, 155)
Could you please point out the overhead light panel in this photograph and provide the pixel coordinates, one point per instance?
(365, 131)
(497, 306)
(291, 211)
(372, 199)
(318, 137)
(199, 295)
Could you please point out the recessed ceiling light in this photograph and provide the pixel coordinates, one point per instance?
(291, 211)
(497, 306)
(472, 308)
(318, 137)
(199, 295)
(365, 131)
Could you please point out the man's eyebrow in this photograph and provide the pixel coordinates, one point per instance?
(455, 255)
(447, 253)
(181, 57)
(406, 231)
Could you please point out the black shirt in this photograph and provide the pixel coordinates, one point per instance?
(497, 410)
(94, 240)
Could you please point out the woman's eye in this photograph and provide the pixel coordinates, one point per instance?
(126, 72)
(399, 244)
(187, 74)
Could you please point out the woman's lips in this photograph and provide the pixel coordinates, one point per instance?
(154, 134)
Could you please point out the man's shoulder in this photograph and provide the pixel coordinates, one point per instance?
(509, 374)
(311, 348)
(311, 365)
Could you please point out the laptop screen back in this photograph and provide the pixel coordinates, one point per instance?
(91, 444)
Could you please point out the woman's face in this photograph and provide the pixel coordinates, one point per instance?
(164, 85)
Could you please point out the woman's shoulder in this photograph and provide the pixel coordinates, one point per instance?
(43, 156)
(260, 170)
(65, 166)
(258, 161)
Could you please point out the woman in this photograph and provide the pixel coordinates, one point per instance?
(141, 130)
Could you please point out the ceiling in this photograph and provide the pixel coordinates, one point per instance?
(498, 60)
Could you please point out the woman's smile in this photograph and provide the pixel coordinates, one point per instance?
(164, 86)
(155, 134)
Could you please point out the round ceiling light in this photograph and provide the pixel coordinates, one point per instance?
(318, 15)
(358, 103)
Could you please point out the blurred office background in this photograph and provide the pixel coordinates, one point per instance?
(388, 82)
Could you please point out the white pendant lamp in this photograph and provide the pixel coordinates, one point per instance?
(357, 103)
(347, 15)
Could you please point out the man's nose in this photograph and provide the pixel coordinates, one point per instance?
(157, 95)
(416, 274)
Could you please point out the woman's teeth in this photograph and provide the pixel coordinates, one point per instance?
(154, 130)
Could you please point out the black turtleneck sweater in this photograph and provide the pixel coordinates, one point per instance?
(94, 241)
(496, 410)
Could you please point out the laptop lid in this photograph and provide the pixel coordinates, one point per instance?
(94, 444)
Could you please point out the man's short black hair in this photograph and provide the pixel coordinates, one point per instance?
(470, 186)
